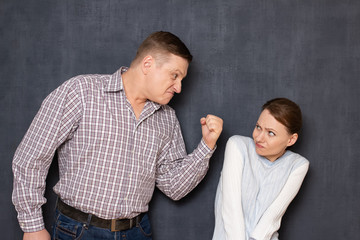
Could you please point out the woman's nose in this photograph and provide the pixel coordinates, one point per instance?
(260, 137)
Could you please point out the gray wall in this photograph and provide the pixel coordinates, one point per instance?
(245, 52)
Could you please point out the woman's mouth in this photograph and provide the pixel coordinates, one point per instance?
(258, 145)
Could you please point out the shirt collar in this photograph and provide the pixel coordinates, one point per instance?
(115, 83)
(154, 105)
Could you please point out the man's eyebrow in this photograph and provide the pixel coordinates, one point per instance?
(178, 70)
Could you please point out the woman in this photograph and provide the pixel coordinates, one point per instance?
(260, 177)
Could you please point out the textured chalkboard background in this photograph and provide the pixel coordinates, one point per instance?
(245, 52)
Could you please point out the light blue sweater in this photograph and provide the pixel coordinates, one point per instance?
(253, 193)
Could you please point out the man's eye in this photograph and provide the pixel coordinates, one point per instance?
(175, 76)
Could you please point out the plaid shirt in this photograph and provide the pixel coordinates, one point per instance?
(109, 161)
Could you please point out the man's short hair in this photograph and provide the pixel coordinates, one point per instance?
(162, 43)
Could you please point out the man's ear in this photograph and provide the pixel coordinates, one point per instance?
(147, 63)
(292, 140)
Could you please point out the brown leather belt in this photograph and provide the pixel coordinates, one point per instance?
(113, 224)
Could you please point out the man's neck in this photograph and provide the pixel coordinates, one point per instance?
(133, 90)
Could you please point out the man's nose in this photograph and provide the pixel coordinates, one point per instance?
(177, 87)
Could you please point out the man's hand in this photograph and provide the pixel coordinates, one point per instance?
(40, 235)
(211, 127)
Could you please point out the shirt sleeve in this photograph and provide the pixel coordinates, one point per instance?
(271, 219)
(53, 124)
(178, 173)
(231, 209)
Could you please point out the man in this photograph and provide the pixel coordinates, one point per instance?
(116, 140)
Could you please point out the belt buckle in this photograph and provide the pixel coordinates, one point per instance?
(113, 225)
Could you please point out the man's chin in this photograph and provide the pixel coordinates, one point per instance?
(166, 100)
(163, 101)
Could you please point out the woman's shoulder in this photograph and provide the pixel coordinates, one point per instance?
(240, 142)
(238, 139)
(297, 159)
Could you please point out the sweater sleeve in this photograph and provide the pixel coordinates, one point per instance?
(271, 219)
(231, 208)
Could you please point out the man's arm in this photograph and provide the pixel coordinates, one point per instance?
(52, 125)
(180, 173)
(39, 235)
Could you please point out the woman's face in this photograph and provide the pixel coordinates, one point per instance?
(271, 137)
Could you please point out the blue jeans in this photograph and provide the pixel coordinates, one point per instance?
(66, 228)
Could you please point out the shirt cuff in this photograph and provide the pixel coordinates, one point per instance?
(204, 149)
(33, 225)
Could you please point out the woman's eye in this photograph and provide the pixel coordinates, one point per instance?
(271, 134)
(258, 127)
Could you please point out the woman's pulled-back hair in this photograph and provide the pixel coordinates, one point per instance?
(163, 43)
(286, 112)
